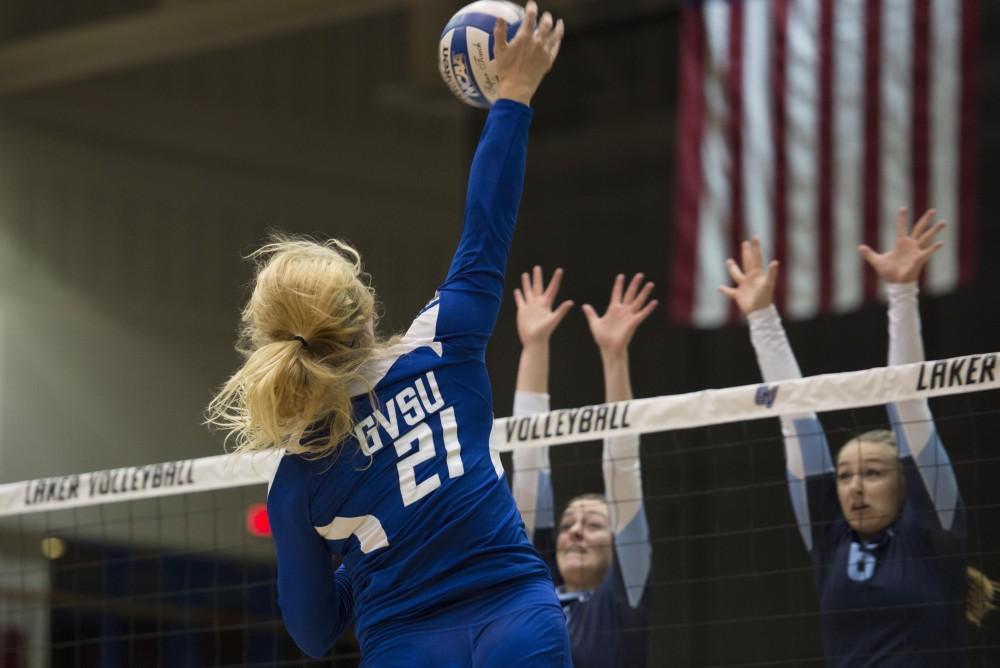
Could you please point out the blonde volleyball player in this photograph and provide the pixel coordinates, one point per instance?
(602, 549)
(387, 465)
(884, 522)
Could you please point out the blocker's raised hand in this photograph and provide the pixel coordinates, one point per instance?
(906, 259)
(523, 62)
(627, 308)
(754, 283)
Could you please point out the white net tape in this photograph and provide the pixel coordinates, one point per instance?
(830, 392)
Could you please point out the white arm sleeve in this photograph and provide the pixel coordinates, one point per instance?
(912, 421)
(806, 450)
(623, 489)
(532, 475)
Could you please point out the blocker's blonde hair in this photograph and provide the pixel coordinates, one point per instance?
(982, 590)
(306, 332)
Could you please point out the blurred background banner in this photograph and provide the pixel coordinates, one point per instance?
(808, 123)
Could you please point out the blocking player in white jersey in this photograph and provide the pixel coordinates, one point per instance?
(602, 549)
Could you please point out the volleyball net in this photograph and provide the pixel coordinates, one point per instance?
(171, 564)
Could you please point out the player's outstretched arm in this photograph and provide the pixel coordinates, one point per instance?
(496, 179)
(537, 318)
(912, 422)
(627, 308)
(806, 450)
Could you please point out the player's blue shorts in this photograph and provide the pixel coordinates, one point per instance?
(533, 637)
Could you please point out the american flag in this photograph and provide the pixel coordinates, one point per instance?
(809, 123)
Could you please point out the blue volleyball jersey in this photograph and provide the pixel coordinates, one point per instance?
(896, 600)
(415, 504)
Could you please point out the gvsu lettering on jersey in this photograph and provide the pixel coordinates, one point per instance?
(410, 406)
(971, 370)
(570, 421)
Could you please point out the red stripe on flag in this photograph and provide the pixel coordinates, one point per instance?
(826, 148)
(735, 91)
(778, 82)
(968, 174)
(920, 118)
(872, 150)
(690, 121)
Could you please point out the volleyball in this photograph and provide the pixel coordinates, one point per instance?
(465, 55)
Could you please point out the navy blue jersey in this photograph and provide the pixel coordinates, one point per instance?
(607, 626)
(414, 504)
(605, 629)
(899, 599)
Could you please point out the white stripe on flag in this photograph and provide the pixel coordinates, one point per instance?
(801, 104)
(896, 114)
(848, 151)
(945, 101)
(758, 143)
(711, 309)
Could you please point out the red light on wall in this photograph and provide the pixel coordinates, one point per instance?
(257, 522)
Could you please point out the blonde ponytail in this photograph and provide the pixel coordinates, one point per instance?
(306, 332)
(982, 591)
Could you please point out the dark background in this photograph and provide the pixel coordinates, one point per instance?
(131, 183)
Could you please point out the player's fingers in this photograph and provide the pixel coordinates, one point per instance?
(922, 224)
(518, 297)
(555, 39)
(901, 217)
(734, 271)
(530, 21)
(616, 288)
(644, 313)
(867, 253)
(927, 252)
(772, 273)
(545, 26)
(561, 312)
(537, 280)
(633, 287)
(553, 287)
(929, 235)
(728, 291)
(643, 295)
(526, 284)
(589, 312)
(499, 36)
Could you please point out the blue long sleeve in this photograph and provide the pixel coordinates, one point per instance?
(317, 602)
(496, 179)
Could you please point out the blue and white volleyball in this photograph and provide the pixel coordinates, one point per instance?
(465, 57)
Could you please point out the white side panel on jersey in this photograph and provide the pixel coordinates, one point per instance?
(367, 528)
(420, 335)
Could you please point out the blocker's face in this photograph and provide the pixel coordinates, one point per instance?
(870, 486)
(583, 548)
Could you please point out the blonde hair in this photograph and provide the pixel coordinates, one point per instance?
(306, 332)
(982, 590)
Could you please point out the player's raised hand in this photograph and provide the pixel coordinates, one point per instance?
(754, 283)
(906, 259)
(627, 309)
(536, 319)
(523, 62)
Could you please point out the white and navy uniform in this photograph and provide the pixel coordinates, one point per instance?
(897, 599)
(607, 626)
(436, 566)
